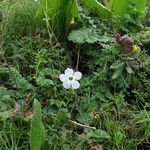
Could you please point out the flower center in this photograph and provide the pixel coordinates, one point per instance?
(70, 78)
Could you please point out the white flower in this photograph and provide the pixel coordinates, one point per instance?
(70, 79)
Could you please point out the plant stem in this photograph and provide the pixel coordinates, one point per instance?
(78, 57)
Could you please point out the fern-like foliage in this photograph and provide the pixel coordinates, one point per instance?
(5, 99)
(12, 77)
(144, 36)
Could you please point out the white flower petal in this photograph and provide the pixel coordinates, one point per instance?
(69, 72)
(63, 77)
(75, 85)
(77, 75)
(67, 84)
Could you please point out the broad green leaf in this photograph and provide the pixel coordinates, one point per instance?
(60, 14)
(37, 131)
(140, 5)
(119, 7)
(117, 64)
(83, 35)
(118, 136)
(98, 134)
(96, 6)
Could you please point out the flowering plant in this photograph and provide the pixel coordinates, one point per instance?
(70, 79)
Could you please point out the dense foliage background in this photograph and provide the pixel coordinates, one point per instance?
(39, 40)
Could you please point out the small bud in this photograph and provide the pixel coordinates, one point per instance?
(136, 49)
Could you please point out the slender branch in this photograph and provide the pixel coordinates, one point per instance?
(82, 125)
(76, 123)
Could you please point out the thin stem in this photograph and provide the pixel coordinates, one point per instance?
(78, 57)
(82, 125)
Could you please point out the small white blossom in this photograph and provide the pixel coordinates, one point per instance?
(70, 79)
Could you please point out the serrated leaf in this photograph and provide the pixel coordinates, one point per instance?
(3, 91)
(117, 64)
(3, 106)
(99, 134)
(43, 82)
(83, 35)
(5, 99)
(85, 118)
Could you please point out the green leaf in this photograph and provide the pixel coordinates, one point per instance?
(117, 73)
(60, 14)
(99, 134)
(6, 101)
(85, 117)
(63, 115)
(43, 82)
(119, 7)
(83, 35)
(129, 70)
(118, 136)
(4, 115)
(15, 79)
(117, 64)
(37, 131)
(145, 36)
(96, 6)
(57, 103)
(3, 91)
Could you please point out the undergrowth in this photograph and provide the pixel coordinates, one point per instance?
(110, 110)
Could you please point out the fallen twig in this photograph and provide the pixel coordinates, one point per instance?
(78, 124)
(82, 125)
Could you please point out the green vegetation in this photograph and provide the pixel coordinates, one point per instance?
(37, 126)
(40, 40)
